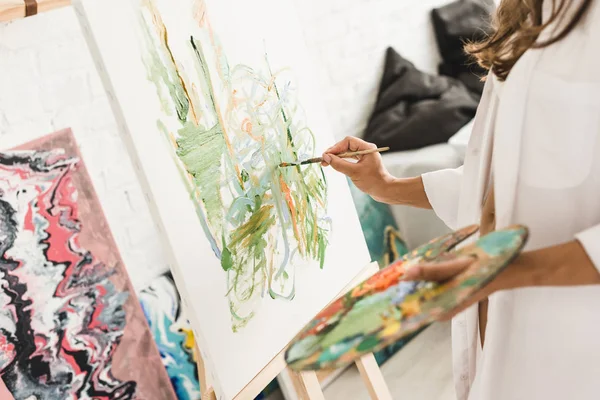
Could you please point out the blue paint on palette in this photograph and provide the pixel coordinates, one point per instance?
(497, 242)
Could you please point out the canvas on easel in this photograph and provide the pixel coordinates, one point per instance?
(211, 95)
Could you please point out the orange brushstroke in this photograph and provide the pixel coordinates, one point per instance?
(290, 202)
(164, 36)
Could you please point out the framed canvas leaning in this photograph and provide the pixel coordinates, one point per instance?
(211, 95)
(71, 323)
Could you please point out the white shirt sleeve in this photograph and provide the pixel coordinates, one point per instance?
(590, 240)
(443, 191)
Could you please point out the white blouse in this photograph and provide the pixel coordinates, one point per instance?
(541, 343)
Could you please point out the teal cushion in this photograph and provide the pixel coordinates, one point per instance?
(379, 227)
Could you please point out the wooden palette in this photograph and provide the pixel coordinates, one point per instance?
(384, 309)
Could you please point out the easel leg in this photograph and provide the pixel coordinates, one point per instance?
(207, 392)
(373, 378)
(307, 385)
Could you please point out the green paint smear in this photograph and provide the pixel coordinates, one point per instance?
(250, 236)
(226, 258)
(322, 247)
(334, 352)
(369, 343)
(201, 152)
(163, 73)
(362, 318)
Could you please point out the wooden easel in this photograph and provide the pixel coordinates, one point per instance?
(15, 9)
(307, 383)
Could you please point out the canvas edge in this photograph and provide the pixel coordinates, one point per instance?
(81, 11)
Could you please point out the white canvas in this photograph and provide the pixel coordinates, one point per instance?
(246, 29)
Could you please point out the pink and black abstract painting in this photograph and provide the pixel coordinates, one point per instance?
(71, 326)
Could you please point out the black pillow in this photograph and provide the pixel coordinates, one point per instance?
(415, 109)
(454, 24)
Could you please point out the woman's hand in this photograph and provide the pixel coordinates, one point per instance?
(368, 173)
(447, 270)
(565, 264)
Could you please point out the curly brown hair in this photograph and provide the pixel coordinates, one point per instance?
(516, 27)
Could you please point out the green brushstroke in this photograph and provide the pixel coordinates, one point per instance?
(363, 315)
(163, 73)
(201, 152)
(322, 247)
(368, 343)
(226, 258)
(249, 238)
(183, 175)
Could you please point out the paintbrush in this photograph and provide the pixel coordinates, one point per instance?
(342, 155)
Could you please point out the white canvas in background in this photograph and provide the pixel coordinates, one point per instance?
(244, 28)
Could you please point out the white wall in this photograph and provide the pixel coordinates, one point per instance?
(348, 39)
(48, 82)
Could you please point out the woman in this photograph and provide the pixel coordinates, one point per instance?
(533, 159)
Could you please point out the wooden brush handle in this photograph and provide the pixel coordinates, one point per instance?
(349, 154)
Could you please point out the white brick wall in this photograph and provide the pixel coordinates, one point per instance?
(48, 82)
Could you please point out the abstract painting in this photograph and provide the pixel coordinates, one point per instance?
(211, 96)
(384, 308)
(173, 335)
(70, 323)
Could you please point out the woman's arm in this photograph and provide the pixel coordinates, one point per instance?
(408, 192)
(565, 264)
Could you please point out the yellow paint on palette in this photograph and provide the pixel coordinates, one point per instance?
(391, 329)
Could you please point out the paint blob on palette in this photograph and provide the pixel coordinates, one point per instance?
(70, 324)
(384, 309)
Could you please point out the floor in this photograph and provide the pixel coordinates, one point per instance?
(420, 371)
